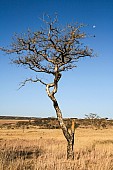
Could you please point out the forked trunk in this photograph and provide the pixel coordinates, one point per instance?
(68, 135)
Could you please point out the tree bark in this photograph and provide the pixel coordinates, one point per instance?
(70, 150)
(69, 136)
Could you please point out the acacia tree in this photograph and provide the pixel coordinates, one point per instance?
(51, 51)
(96, 121)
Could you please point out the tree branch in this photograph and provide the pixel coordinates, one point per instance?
(33, 81)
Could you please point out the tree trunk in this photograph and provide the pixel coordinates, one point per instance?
(68, 135)
(70, 144)
(70, 151)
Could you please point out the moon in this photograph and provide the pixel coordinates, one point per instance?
(94, 26)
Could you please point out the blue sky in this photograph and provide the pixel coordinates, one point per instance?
(86, 89)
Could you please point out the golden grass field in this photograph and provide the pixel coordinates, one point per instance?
(45, 149)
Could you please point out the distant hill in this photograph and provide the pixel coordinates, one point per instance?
(16, 117)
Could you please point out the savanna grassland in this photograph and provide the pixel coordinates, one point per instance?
(45, 149)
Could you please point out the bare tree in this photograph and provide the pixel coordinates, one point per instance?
(96, 121)
(51, 51)
(93, 118)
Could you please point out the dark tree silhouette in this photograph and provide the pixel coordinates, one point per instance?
(51, 51)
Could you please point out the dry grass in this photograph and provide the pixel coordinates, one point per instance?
(36, 149)
(11, 121)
